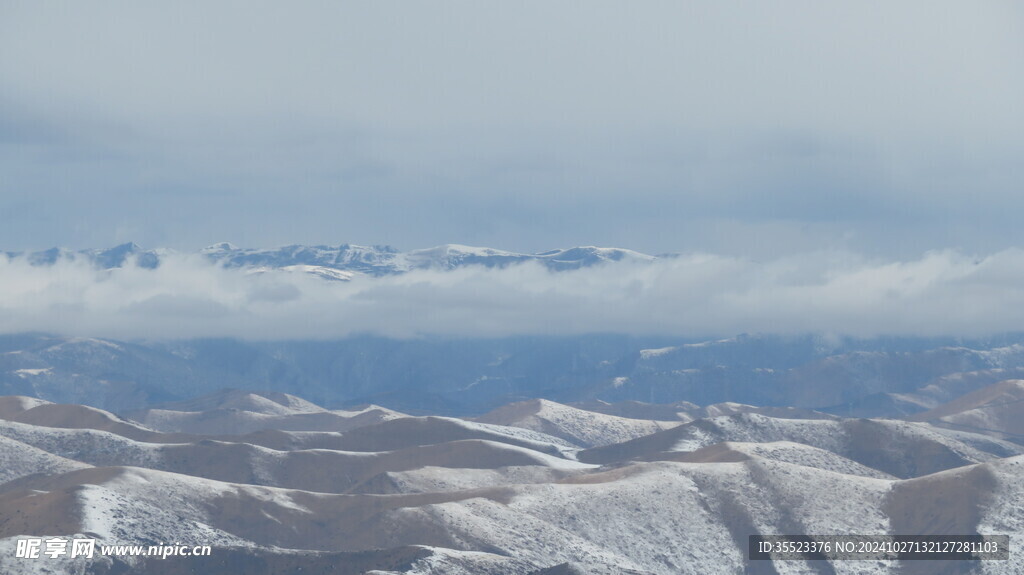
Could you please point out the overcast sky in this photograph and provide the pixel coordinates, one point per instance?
(756, 129)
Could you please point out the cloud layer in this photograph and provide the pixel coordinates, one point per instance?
(941, 293)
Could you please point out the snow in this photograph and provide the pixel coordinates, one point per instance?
(98, 510)
(85, 445)
(453, 562)
(1008, 356)
(542, 458)
(432, 479)
(84, 340)
(670, 530)
(458, 249)
(584, 428)
(385, 413)
(709, 343)
(383, 260)
(807, 456)
(694, 440)
(661, 517)
(18, 459)
(1005, 514)
(147, 505)
(234, 421)
(541, 440)
(39, 371)
(649, 353)
(323, 272)
(221, 247)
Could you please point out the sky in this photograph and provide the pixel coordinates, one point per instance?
(744, 129)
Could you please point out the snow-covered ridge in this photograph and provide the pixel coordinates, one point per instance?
(344, 261)
(385, 260)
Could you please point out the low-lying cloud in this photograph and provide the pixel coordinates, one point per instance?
(940, 293)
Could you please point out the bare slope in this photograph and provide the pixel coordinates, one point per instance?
(71, 416)
(233, 421)
(28, 450)
(237, 412)
(997, 408)
(265, 402)
(897, 448)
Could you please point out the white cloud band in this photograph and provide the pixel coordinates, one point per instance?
(941, 293)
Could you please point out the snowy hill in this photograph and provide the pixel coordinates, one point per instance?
(995, 409)
(897, 448)
(581, 427)
(509, 493)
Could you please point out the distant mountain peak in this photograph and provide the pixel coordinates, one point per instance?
(219, 247)
(344, 261)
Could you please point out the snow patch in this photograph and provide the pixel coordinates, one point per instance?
(649, 353)
(39, 371)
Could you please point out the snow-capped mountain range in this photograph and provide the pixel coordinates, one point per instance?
(328, 261)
